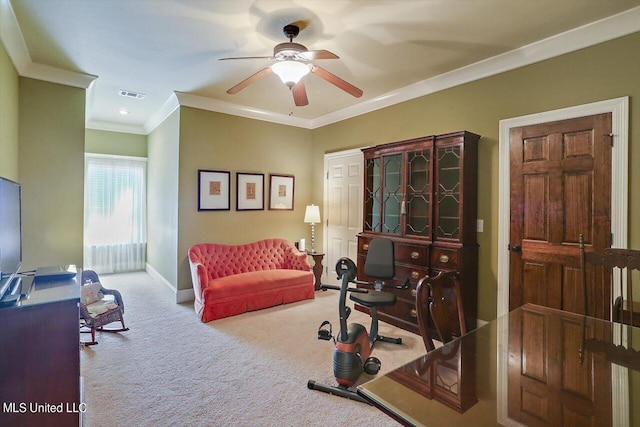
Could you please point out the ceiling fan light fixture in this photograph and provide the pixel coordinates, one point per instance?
(290, 72)
(292, 61)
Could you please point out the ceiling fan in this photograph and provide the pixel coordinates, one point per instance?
(292, 63)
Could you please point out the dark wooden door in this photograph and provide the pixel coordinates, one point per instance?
(560, 188)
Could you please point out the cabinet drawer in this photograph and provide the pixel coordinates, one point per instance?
(404, 253)
(410, 254)
(413, 273)
(397, 280)
(363, 245)
(403, 310)
(445, 259)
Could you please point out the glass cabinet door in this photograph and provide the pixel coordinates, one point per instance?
(383, 194)
(448, 193)
(391, 193)
(418, 196)
(373, 196)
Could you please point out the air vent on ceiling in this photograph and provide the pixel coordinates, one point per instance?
(131, 94)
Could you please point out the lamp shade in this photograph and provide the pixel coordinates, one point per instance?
(290, 72)
(312, 214)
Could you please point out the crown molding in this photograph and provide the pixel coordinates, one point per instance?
(210, 104)
(11, 37)
(57, 75)
(169, 106)
(13, 41)
(115, 127)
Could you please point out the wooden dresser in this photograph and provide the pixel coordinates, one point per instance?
(40, 357)
(422, 194)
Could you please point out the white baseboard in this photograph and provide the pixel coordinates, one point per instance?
(183, 295)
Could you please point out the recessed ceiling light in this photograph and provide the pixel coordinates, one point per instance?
(123, 111)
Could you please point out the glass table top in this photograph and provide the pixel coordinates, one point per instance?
(534, 366)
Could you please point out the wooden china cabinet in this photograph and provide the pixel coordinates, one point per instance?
(422, 194)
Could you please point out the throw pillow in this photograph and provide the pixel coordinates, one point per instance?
(90, 293)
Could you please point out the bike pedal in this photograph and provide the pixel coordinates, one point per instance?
(325, 333)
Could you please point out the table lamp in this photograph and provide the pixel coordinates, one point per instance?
(312, 216)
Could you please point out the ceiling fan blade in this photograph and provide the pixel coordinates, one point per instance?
(337, 81)
(246, 57)
(300, 94)
(319, 54)
(301, 24)
(251, 79)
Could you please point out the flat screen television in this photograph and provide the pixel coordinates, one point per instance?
(10, 233)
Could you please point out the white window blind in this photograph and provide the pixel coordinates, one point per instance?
(115, 213)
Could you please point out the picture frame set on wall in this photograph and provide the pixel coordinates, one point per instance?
(214, 191)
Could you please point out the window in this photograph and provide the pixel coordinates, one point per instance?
(115, 214)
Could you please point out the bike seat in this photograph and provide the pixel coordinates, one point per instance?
(374, 299)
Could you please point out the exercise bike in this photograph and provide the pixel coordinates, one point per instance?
(353, 346)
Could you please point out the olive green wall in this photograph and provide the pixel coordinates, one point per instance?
(8, 117)
(115, 143)
(222, 142)
(51, 171)
(606, 71)
(162, 198)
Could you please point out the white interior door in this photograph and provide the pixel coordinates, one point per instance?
(344, 172)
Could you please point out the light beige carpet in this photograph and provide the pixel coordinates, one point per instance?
(170, 369)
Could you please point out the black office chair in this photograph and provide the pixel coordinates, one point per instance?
(379, 265)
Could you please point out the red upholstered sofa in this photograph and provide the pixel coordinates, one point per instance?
(232, 279)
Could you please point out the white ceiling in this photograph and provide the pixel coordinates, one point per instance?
(392, 50)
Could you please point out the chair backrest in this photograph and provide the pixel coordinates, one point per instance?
(380, 261)
(606, 283)
(89, 276)
(440, 299)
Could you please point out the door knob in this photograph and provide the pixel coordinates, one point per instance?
(514, 248)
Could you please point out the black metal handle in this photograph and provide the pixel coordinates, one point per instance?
(514, 248)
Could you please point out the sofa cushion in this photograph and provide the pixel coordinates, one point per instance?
(254, 296)
(101, 306)
(246, 283)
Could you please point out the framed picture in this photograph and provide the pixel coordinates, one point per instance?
(281, 192)
(213, 190)
(249, 191)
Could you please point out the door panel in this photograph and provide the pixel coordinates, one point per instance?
(536, 200)
(560, 188)
(579, 193)
(343, 210)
